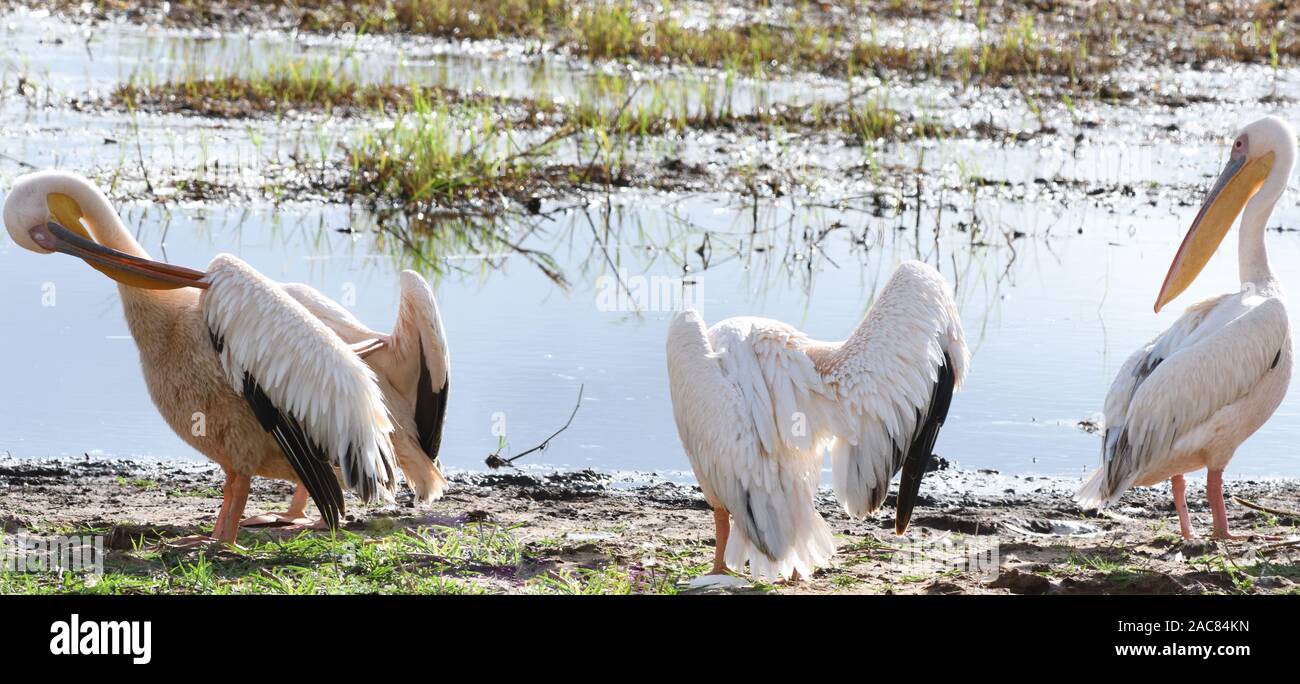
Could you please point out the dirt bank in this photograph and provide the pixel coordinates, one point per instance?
(587, 532)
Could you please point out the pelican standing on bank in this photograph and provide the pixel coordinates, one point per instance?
(1188, 399)
(757, 403)
(264, 379)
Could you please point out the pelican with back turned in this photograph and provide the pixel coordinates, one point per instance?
(289, 384)
(757, 404)
(1190, 397)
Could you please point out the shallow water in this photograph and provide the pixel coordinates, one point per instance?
(1048, 331)
(1049, 318)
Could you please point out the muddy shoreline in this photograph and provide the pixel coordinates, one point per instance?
(655, 535)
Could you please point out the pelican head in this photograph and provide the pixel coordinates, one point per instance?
(1262, 157)
(57, 211)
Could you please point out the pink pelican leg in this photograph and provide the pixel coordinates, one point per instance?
(234, 495)
(1180, 503)
(1214, 491)
(722, 529)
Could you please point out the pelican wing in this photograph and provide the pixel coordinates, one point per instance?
(340, 320)
(1140, 365)
(1211, 357)
(308, 460)
(421, 342)
(306, 386)
(418, 340)
(725, 417)
(413, 362)
(892, 381)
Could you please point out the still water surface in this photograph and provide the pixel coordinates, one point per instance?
(1048, 328)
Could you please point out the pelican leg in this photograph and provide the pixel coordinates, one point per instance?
(721, 530)
(227, 528)
(1214, 491)
(298, 504)
(1180, 503)
(296, 516)
(219, 528)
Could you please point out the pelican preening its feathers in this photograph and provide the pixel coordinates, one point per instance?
(1188, 399)
(757, 403)
(292, 386)
(289, 384)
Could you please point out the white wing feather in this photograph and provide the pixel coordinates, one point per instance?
(883, 375)
(418, 318)
(1212, 356)
(306, 371)
(337, 318)
(417, 344)
(719, 401)
(757, 402)
(419, 324)
(1140, 364)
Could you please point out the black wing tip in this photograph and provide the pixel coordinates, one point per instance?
(430, 408)
(920, 452)
(909, 487)
(753, 531)
(218, 342)
(330, 505)
(306, 458)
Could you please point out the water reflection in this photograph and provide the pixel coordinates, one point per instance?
(1050, 321)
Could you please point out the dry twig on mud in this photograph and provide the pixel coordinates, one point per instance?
(1279, 512)
(495, 461)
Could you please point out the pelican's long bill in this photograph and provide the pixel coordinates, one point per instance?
(1240, 180)
(124, 268)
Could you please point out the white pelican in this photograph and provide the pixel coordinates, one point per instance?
(756, 403)
(1188, 399)
(288, 384)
